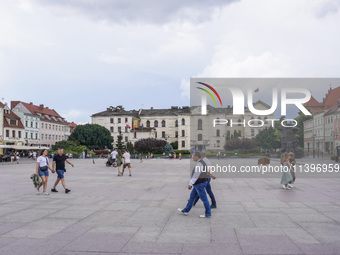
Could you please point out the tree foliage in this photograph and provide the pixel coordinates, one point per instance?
(93, 136)
(238, 143)
(119, 144)
(150, 145)
(268, 138)
(174, 145)
(130, 148)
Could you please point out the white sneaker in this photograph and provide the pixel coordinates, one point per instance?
(181, 210)
(45, 193)
(290, 186)
(38, 193)
(284, 187)
(204, 216)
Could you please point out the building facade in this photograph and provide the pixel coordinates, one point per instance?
(12, 128)
(184, 125)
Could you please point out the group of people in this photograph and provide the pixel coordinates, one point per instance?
(43, 168)
(120, 159)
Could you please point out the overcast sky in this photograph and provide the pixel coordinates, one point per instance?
(82, 56)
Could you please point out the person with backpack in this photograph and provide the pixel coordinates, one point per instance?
(41, 169)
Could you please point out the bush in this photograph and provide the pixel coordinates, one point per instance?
(182, 151)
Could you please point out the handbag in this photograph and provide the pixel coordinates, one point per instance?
(44, 168)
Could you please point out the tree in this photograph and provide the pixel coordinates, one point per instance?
(267, 139)
(174, 145)
(93, 136)
(300, 134)
(168, 149)
(64, 144)
(119, 144)
(130, 148)
(150, 145)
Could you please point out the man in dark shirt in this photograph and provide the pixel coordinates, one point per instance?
(59, 165)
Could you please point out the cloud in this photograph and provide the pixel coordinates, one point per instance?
(141, 11)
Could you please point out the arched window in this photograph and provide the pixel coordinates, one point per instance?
(199, 124)
(148, 123)
(259, 122)
(183, 122)
(156, 123)
(200, 137)
(163, 123)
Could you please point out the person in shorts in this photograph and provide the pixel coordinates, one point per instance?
(41, 169)
(114, 155)
(59, 164)
(127, 161)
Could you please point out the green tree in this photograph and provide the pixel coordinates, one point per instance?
(130, 148)
(150, 145)
(168, 149)
(119, 144)
(64, 144)
(300, 119)
(93, 136)
(174, 145)
(267, 139)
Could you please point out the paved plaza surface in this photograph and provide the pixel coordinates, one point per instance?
(106, 214)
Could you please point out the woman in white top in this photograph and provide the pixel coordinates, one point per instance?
(42, 168)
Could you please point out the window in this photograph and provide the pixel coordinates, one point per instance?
(163, 123)
(183, 122)
(259, 120)
(46, 137)
(183, 133)
(217, 132)
(13, 133)
(199, 137)
(111, 129)
(183, 144)
(126, 120)
(7, 133)
(36, 136)
(148, 123)
(163, 134)
(119, 120)
(239, 133)
(13, 122)
(155, 134)
(31, 123)
(156, 123)
(31, 135)
(126, 139)
(126, 129)
(52, 137)
(119, 129)
(239, 122)
(176, 134)
(26, 123)
(218, 143)
(49, 126)
(199, 124)
(176, 123)
(228, 123)
(26, 135)
(49, 137)
(265, 120)
(36, 125)
(252, 132)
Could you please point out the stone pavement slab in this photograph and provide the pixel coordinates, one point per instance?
(106, 214)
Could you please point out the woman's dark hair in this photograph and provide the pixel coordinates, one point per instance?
(42, 152)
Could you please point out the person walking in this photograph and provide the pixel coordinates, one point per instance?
(119, 159)
(114, 155)
(127, 162)
(12, 157)
(17, 157)
(59, 164)
(208, 188)
(197, 185)
(287, 177)
(292, 161)
(41, 169)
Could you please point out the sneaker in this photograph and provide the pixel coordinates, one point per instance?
(67, 191)
(290, 186)
(284, 187)
(45, 193)
(38, 192)
(181, 210)
(54, 190)
(204, 216)
(213, 206)
(130, 175)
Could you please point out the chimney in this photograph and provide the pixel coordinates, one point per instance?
(41, 106)
(31, 103)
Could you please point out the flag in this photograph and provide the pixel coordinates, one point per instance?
(128, 126)
(257, 90)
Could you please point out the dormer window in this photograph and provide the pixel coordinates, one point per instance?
(13, 122)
